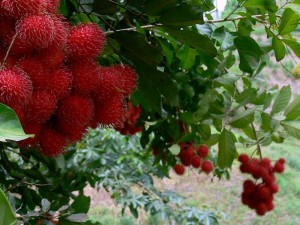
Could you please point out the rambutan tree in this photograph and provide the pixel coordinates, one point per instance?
(182, 89)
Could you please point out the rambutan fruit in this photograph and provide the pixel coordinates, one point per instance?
(273, 187)
(38, 31)
(19, 46)
(7, 26)
(202, 151)
(52, 142)
(15, 87)
(21, 8)
(207, 166)
(261, 209)
(265, 162)
(282, 160)
(196, 161)
(85, 41)
(249, 187)
(20, 113)
(76, 110)
(31, 128)
(278, 167)
(127, 78)
(52, 6)
(243, 158)
(61, 33)
(60, 83)
(179, 169)
(41, 106)
(51, 57)
(85, 76)
(262, 192)
(34, 69)
(111, 112)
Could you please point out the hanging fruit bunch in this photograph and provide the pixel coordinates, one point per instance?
(50, 77)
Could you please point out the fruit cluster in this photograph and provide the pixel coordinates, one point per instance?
(259, 195)
(129, 124)
(196, 157)
(50, 77)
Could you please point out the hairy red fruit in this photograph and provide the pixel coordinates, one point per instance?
(196, 161)
(19, 46)
(179, 169)
(270, 206)
(85, 41)
(281, 160)
(34, 69)
(262, 172)
(52, 6)
(51, 57)
(207, 166)
(245, 199)
(269, 179)
(31, 128)
(20, 113)
(202, 151)
(60, 83)
(38, 31)
(127, 78)
(61, 33)
(265, 162)
(243, 158)
(249, 187)
(278, 167)
(52, 142)
(85, 76)
(75, 110)
(111, 112)
(262, 192)
(273, 188)
(15, 87)
(261, 209)
(41, 106)
(21, 8)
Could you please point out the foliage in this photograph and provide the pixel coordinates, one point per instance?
(186, 63)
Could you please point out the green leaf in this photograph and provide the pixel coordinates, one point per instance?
(279, 48)
(292, 127)
(289, 21)
(269, 5)
(174, 149)
(183, 15)
(294, 45)
(195, 40)
(134, 42)
(7, 215)
(249, 52)
(187, 57)
(205, 131)
(282, 100)
(81, 204)
(227, 150)
(246, 96)
(156, 7)
(223, 36)
(242, 120)
(105, 7)
(292, 112)
(10, 126)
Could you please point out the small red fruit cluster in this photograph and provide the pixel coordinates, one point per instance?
(259, 195)
(193, 156)
(128, 127)
(50, 77)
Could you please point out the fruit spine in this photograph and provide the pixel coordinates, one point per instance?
(50, 77)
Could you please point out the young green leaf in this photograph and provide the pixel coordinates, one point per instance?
(279, 48)
(282, 100)
(7, 215)
(292, 112)
(241, 120)
(294, 45)
(289, 21)
(227, 150)
(292, 127)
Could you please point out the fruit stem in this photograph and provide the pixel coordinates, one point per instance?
(10, 46)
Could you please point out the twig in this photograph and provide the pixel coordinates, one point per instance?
(10, 46)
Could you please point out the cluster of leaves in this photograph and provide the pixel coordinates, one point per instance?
(185, 69)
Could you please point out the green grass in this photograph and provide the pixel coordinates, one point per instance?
(224, 195)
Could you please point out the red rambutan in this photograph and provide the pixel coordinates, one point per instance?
(85, 76)
(85, 41)
(207, 166)
(60, 83)
(243, 158)
(21, 8)
(202, 151)
(196, 161)
(127, 78)
(31, 128)
(41, 106)
(76, 110)
(52, 142)
(38, 31)
(15, 87)
(179, 169)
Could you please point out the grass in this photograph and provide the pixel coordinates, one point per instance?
(224, 195)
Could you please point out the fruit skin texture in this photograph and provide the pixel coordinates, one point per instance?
(202, 151)
(21, 8)
(37, 31)
(75, 110)
(52, 142)
(179, 169)
(85, 41)
(41, 106)
(15, 87)
(196, 161)
(60, 83)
